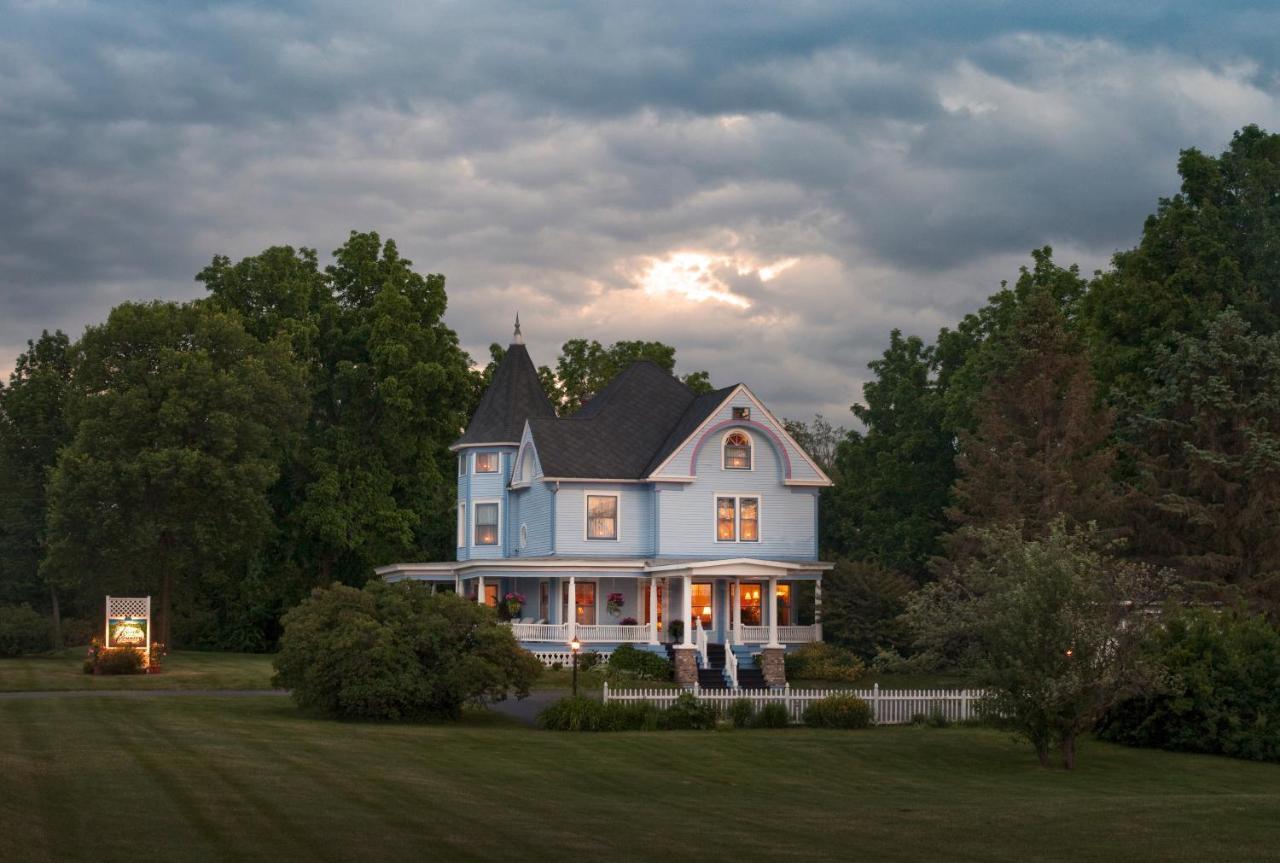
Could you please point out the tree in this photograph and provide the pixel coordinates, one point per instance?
(398, 651)
(389, 388)
(1206, 493)
(1051, 627)
(586, 367)
(180, 419)
(1041, 444)
(33, 430)
(819, 438)
(862, 604)
(1214, 245)
(895, 476)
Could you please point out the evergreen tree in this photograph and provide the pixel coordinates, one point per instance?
(1041, 444)
(1206, 497)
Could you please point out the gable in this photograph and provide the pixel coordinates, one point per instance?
(797, 467)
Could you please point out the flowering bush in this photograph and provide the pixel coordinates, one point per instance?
(615, 604)
(628, 621)
(514, 603)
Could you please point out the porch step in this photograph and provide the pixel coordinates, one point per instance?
(751, 678)
(712, 678)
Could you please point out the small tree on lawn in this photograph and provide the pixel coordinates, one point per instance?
(1050, 627)
(398, 652)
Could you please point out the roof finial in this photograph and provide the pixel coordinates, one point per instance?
(516, 337)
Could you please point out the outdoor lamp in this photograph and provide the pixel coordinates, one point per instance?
(574, 646)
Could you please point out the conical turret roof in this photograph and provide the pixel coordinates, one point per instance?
(514, 395)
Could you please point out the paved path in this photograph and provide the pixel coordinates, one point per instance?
(140, 693)
(526, 710)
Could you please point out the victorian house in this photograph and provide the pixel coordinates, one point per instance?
(681, 523)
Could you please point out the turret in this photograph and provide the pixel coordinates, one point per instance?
(487, 450)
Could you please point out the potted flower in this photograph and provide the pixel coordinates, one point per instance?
(514, 603)
(614, 604)
(629, 621)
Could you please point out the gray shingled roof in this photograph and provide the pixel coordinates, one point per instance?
(620, 432)
(514, 395)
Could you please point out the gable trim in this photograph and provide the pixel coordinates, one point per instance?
(696, 432)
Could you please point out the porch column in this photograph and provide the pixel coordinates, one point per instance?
(457, 583)
(571, 608)
(687, 601)
(480, 589)
(773, 612)
(817, 609)
(653, 610)
(737, 611)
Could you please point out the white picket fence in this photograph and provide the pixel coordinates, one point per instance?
(888, 706)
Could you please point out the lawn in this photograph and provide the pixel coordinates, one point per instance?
(202, 778)
(182, 670)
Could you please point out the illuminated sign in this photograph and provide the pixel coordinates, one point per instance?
(129, 623)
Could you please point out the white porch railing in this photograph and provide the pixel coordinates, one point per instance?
(541, 631)
(786, 634)
(888, 706)
(700, 640)
(587, 633)
(612, 632)
(731, 666)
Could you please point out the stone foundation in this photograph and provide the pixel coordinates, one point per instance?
(773, 666)
(686, 670)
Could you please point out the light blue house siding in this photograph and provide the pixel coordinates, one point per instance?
(635, 521)
(477, 488)
(761, 426)
(686, 525)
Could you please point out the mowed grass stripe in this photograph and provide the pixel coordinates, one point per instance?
(255, 779)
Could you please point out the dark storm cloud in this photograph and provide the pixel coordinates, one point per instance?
(842, 168)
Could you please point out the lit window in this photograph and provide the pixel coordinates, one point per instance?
(725, 528)
(701, 603)
(749, 519)
(584, 606)
(486, 462)
(737, 451)
(491, 595)
(750, 593)
(486, 524)
(737, 519)
(602, 516)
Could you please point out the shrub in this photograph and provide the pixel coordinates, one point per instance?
(586, 714)
(76, 631)
(838, 711)
(772, 715)
(677, 630)
(117, 660)
(588, 660)
(822, 661)
(935, 718)
(22, 631)
(742, 712)
(397, 651)
(1220, 694)
(688, 713)
(629, 661)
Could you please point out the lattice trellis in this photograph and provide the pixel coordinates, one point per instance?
(128, 606)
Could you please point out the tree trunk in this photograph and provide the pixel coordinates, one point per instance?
(166, 609)
(56, 632)
(1042, 752)
(1069, 751)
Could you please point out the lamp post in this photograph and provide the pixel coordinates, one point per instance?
(574, 646)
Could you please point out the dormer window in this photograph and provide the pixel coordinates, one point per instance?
(737, 451)
(486, 462)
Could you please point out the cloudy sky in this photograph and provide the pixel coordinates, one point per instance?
(771, 188)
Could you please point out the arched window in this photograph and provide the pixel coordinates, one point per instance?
(737, 451)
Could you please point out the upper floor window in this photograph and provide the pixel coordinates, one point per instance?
(486, 462)
(737, 519)
(462, 464)
(486, 532)
(526, 466)
(602, 516)
(737, 451)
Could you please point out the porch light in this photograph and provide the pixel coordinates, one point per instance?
(575, 645)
